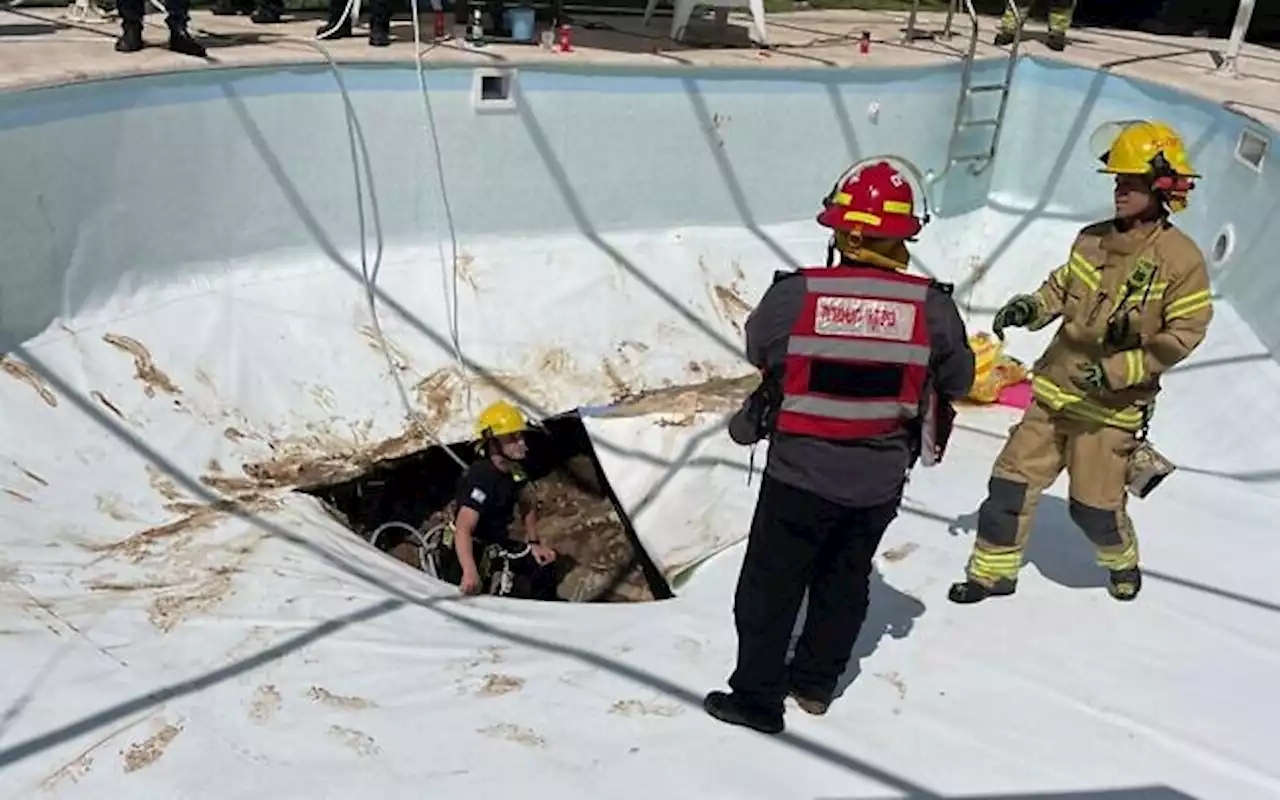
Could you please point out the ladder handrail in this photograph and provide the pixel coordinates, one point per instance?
(1019, 22)
(966, 80)
(966, 75)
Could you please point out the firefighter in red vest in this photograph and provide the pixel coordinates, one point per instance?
(857, 352)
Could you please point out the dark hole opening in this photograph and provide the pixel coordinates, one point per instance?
(493, 87)
(600, 557)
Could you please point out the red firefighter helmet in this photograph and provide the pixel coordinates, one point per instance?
(876, 198)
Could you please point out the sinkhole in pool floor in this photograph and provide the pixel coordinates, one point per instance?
(600, 557)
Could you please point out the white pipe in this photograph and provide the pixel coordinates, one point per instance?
(1243, 17)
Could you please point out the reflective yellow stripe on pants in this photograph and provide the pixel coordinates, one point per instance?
(1060, 16)
(988, 566)
(1123, 559)
(1057, 398)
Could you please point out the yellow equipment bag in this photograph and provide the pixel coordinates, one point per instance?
(993, 370)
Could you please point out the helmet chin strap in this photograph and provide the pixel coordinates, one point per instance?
(885, 253)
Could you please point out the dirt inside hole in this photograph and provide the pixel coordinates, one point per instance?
(600, 558)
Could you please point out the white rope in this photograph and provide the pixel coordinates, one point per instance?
(411, 413)
(346, 13)
(447, 267)
(424, 542)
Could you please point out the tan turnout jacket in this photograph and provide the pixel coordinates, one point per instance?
(1150, 288)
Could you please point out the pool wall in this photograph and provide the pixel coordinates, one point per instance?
(124, 187)
(203, 169)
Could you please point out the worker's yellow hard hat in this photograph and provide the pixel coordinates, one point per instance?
(500, 419)
(1137, 147)
(1146, 147)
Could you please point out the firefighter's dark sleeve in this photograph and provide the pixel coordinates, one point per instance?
(770, 323)
(474, 490)
(951, 361)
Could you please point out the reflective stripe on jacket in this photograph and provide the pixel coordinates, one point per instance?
(1136, 302)
(858, 354)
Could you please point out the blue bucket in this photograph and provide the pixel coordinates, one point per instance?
(520, 21)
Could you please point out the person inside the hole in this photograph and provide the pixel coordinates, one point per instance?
(862, 361)
(1133, 300)
(489, 493)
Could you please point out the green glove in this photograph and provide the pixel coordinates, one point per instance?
(1090, 377)
(1017, 313)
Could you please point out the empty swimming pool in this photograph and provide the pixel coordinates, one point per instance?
(220, 286)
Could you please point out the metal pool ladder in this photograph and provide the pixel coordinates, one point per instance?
(981, 160)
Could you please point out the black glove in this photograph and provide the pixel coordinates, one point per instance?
(1017, 313)
(755, 419)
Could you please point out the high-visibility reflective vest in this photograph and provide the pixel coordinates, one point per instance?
(858, 355)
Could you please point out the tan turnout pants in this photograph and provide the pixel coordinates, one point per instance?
(1039, 447)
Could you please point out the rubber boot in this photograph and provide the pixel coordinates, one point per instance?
(379, 23)
(1056, 40)
(267, 12)
(379, 32)
(1003, 38)
(1124, 584)
(967, 592)
(180, 41)
(130, 40)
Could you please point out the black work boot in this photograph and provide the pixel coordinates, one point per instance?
(337, 11)
(1003, 38)
(379, 32)
(341, 32)
(130, 40)
(1124, 584)
(266, 13)
(731, 709)
(180, 41)
(1056, 40)
(808, 703)
(966, 592)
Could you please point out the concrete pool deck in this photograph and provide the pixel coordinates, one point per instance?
(42, 47)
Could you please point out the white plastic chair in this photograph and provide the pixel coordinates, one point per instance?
(684, 10)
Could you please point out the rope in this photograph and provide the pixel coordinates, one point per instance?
(423, 539)
(450, 266)
(410, 412)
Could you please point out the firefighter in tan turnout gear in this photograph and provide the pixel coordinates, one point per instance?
(1134, 300)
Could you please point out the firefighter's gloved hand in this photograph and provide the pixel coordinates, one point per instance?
(1090, 377)
(1016, 313)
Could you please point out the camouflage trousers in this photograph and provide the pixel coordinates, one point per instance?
(1039, 448)
(1060, 14)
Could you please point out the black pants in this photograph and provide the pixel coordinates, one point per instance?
(800, 541)
(131, 11)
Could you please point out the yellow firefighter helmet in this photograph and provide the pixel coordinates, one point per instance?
(500, 419)
(1147, 147)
